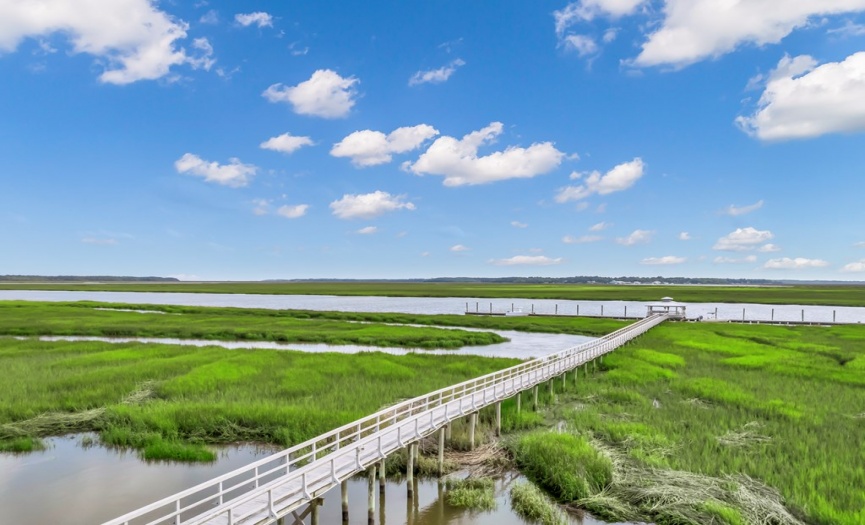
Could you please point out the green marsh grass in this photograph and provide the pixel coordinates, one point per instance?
(734, 408)
(474, 493)
(198, 396)
(530, 503)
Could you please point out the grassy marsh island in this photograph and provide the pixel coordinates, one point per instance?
(817, 294)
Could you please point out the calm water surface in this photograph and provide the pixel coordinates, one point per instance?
(448, 305)
(73, 485)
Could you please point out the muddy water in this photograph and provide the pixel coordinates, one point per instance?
(71, 484)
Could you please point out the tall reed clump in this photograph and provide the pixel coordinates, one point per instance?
(564, 464)
(531, 504)
(471, 493)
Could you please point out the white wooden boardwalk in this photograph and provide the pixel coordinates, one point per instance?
(273, 487)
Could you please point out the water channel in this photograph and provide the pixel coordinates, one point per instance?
(453, 305)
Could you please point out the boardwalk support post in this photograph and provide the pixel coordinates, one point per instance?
(370, 497)
(499, 418)
(441, 452)
(473, 421)
(313, 519)
(343, 487)
(381, 476)
(409, 471)
(519, 401)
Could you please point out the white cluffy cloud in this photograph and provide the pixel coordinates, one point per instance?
(286, 143)
(667, 259)
(436, 76)
(769, 248)
(694, 30)
(459, 163)
(684, 236)
(527, 260)
(636, 237)
(368, 205)
(292, 211)
(735, 211)
(234, 174)
(743, 239)
(804, 100)
(584, 45)
(325, 94)
(518, 224)
(798, 263)
(370, 148)
(734, 260)
(619, 178)
(858, 266)
(599, 227)
(459, 248)
(367, 230)
(132, 39)
(587, 10)
(259, 18)
(570, 239)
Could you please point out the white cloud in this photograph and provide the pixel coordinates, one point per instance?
(368, 230)
(733, 260)
(599, 227)
(684, 236)
(261, 206)
(527, 260)
(636, 237)
(619, 178)
(459, 248)
(368, 205)
(570, 239)
(736, 211)
(667, 259)
(259, 18)
(848, 29)
(292, 211)
(769, 248)
(211, 18)
(798, 263)
(587, 10)
(436, 76)
(518, 224)
(286, 143)
(582, 44)
(370, 148)
(234, 174)
(859, 244)
(459, 163)
(610, 35)
(101, 241)
(743, 239)
(325, 94)
(693, 30)
(858, 266)
(132, 39)
(804, 100)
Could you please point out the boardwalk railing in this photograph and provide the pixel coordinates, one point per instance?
(270, 488)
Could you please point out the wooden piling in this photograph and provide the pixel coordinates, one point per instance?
(448, 431)
(519, 401)
(499, 419)
(343, 488)
(409, 470)
(382, 477)
(441, 452)
(313, 519)
(370, 498)
(473, 421)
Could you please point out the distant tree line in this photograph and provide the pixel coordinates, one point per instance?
(82, 278)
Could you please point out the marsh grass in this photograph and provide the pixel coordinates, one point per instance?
(740, 408)
(169, 402)
(471, 493)
(23, 318)
(530, 503)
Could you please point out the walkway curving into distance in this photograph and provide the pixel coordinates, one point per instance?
(275, 488)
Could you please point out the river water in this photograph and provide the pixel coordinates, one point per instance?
(452, 305)
(71, 484)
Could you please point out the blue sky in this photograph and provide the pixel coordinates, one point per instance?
(261, 140)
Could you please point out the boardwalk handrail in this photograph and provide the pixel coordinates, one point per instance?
(209, 498)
